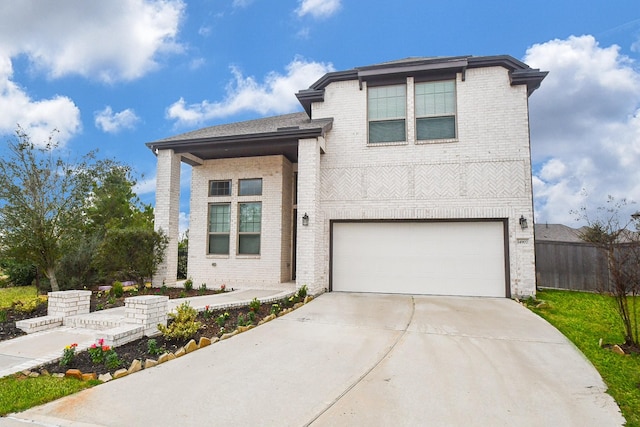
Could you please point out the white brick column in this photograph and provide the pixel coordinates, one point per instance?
(68, 303)
(309, 256)
(167, 213)
(147, 311)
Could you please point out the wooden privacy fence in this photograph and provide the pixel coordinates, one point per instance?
(575, 266)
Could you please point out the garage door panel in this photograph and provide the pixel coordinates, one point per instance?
(440, 258)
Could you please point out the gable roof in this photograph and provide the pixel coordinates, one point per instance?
(557, 233)
(260, 137)
(519, 73)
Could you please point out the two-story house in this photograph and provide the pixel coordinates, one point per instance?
(412, 176)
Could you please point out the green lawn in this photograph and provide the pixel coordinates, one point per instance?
(584, 318)
(18, 293)
(20, 393)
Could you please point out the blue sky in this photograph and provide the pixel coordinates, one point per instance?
(114, 75)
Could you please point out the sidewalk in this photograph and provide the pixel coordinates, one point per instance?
(29, 351)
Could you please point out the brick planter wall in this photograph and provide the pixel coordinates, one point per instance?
(68, 303)
(147, 311)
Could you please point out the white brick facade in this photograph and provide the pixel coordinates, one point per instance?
(485, 173)
(273, 265)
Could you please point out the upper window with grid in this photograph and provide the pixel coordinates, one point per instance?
(220, 188)
(387, 108)
(435, 110)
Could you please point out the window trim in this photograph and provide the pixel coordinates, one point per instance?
(220, 181)
(249, 233)
(246, 180)
(454, 115)
(403, 119)
(219, 233)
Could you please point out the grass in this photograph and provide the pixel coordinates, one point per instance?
(20, 393)
(18, 293)
(584, 318)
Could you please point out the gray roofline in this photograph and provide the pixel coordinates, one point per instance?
(519, 72)
(280, 134)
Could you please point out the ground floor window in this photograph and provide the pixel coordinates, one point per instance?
(219, 215)
(249, 227)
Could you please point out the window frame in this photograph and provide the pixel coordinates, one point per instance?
(253, 233)
(220, 181)
(226, 232)
(375, 119)
(436, 115)
(247, 181)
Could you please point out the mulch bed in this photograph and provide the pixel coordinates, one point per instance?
(139, 349)
(99, 301)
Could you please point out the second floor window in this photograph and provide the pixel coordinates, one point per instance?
(387, 110)
(435, 110)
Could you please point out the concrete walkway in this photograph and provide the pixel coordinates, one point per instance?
(361, 359)
(29, 351)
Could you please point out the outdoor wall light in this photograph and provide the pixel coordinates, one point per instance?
(523, 222)
(305, 219)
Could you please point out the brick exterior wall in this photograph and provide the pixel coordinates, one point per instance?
(167, 214)
(485, 173)
(273, 265)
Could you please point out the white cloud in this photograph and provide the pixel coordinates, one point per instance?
(241, 3)
(38, 118)
(146, 186)
(276, 95)
(585, 126)
(109, 40)
(318, 8)
(110, 122)
(106, 41)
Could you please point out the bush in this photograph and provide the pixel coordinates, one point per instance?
(27, 306)
(117, 290)
(184, 325)
(76, 268)
(19, 273)
(188, 284)
(254, 305)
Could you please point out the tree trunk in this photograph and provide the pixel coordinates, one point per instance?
(51, 275)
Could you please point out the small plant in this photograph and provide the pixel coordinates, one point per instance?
(111, 300)
(164, 289)
(153, 349)
(275, 308)
(222, 319)
(182, 294)
(97, 352)
(254, 305)
(184, 325)
(202, 289)
(207, 313)
(188, 284)
(302, 292)
(112, 361)
(68, 354)
(117, 290)
(223, 287)
(3, 316)
(251, 318)
(241, 320)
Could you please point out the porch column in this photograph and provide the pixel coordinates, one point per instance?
(309, 256)
(167, 213)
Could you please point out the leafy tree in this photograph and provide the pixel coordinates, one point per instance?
(114, 205)
(131, 253)
(42, 196)
(183, 255)
(622, 248)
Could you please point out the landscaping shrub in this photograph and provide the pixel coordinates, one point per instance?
(19, 273)
(183, 326)
(117, 290)
(188, 284)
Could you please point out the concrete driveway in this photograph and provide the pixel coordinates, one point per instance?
(362, 359)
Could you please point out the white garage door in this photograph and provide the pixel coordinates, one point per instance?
(437, 258)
